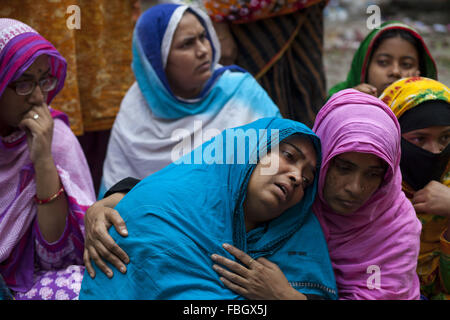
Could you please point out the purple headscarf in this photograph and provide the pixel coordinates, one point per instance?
(374, 250)
(20, 45)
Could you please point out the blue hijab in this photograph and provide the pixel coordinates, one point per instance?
(151, 45)
(180, 215)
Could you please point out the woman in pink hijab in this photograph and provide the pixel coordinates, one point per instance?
(371, 228)
(45, 183)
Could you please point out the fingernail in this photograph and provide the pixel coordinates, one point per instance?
(124, 231)
(109, 274)
(226, 245)
(213, 256)
(123, 269)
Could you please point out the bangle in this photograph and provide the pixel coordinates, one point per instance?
(53, 197)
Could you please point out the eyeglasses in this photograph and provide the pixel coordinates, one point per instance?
(26, 87)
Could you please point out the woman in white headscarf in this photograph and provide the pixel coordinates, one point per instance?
(181, 97)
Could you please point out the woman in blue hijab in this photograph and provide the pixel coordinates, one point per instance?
(182, 97)
(178, 217)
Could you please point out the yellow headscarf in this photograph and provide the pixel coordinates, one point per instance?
(408, 93)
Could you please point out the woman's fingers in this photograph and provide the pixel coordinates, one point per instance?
(38, 124)
(94, 256)
(107, 249)
(266, 263)
(234, 287)
(38, 118)
(366, 88)
(116, 220)
(421, 207)
(29, 123)
(230, 264)
(233, 277)
(87, 264)
(110, 256)
(239, 254)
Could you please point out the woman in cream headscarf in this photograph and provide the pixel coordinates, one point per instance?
(180, 93)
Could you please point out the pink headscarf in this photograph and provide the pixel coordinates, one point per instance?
(20, 45)
(374, 250)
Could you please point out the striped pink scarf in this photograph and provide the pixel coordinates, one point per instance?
(20, 45)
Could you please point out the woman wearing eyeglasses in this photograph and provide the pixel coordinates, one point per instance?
(45, 183)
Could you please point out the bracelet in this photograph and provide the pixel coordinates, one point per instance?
(53, 197)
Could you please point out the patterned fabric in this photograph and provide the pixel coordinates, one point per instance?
(101, 47)
(173, 232)
(238, 11)
(383, 234)
(154, 127)
(284, 53)
(10, 29)
(23, 251)
(26, 252)
(408, 93)
(64, 284)
(434, 258)
(360, 62)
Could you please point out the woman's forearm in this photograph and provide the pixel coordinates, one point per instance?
(52, 216)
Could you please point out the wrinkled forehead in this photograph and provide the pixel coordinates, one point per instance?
(361, 160)
(173, 24)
